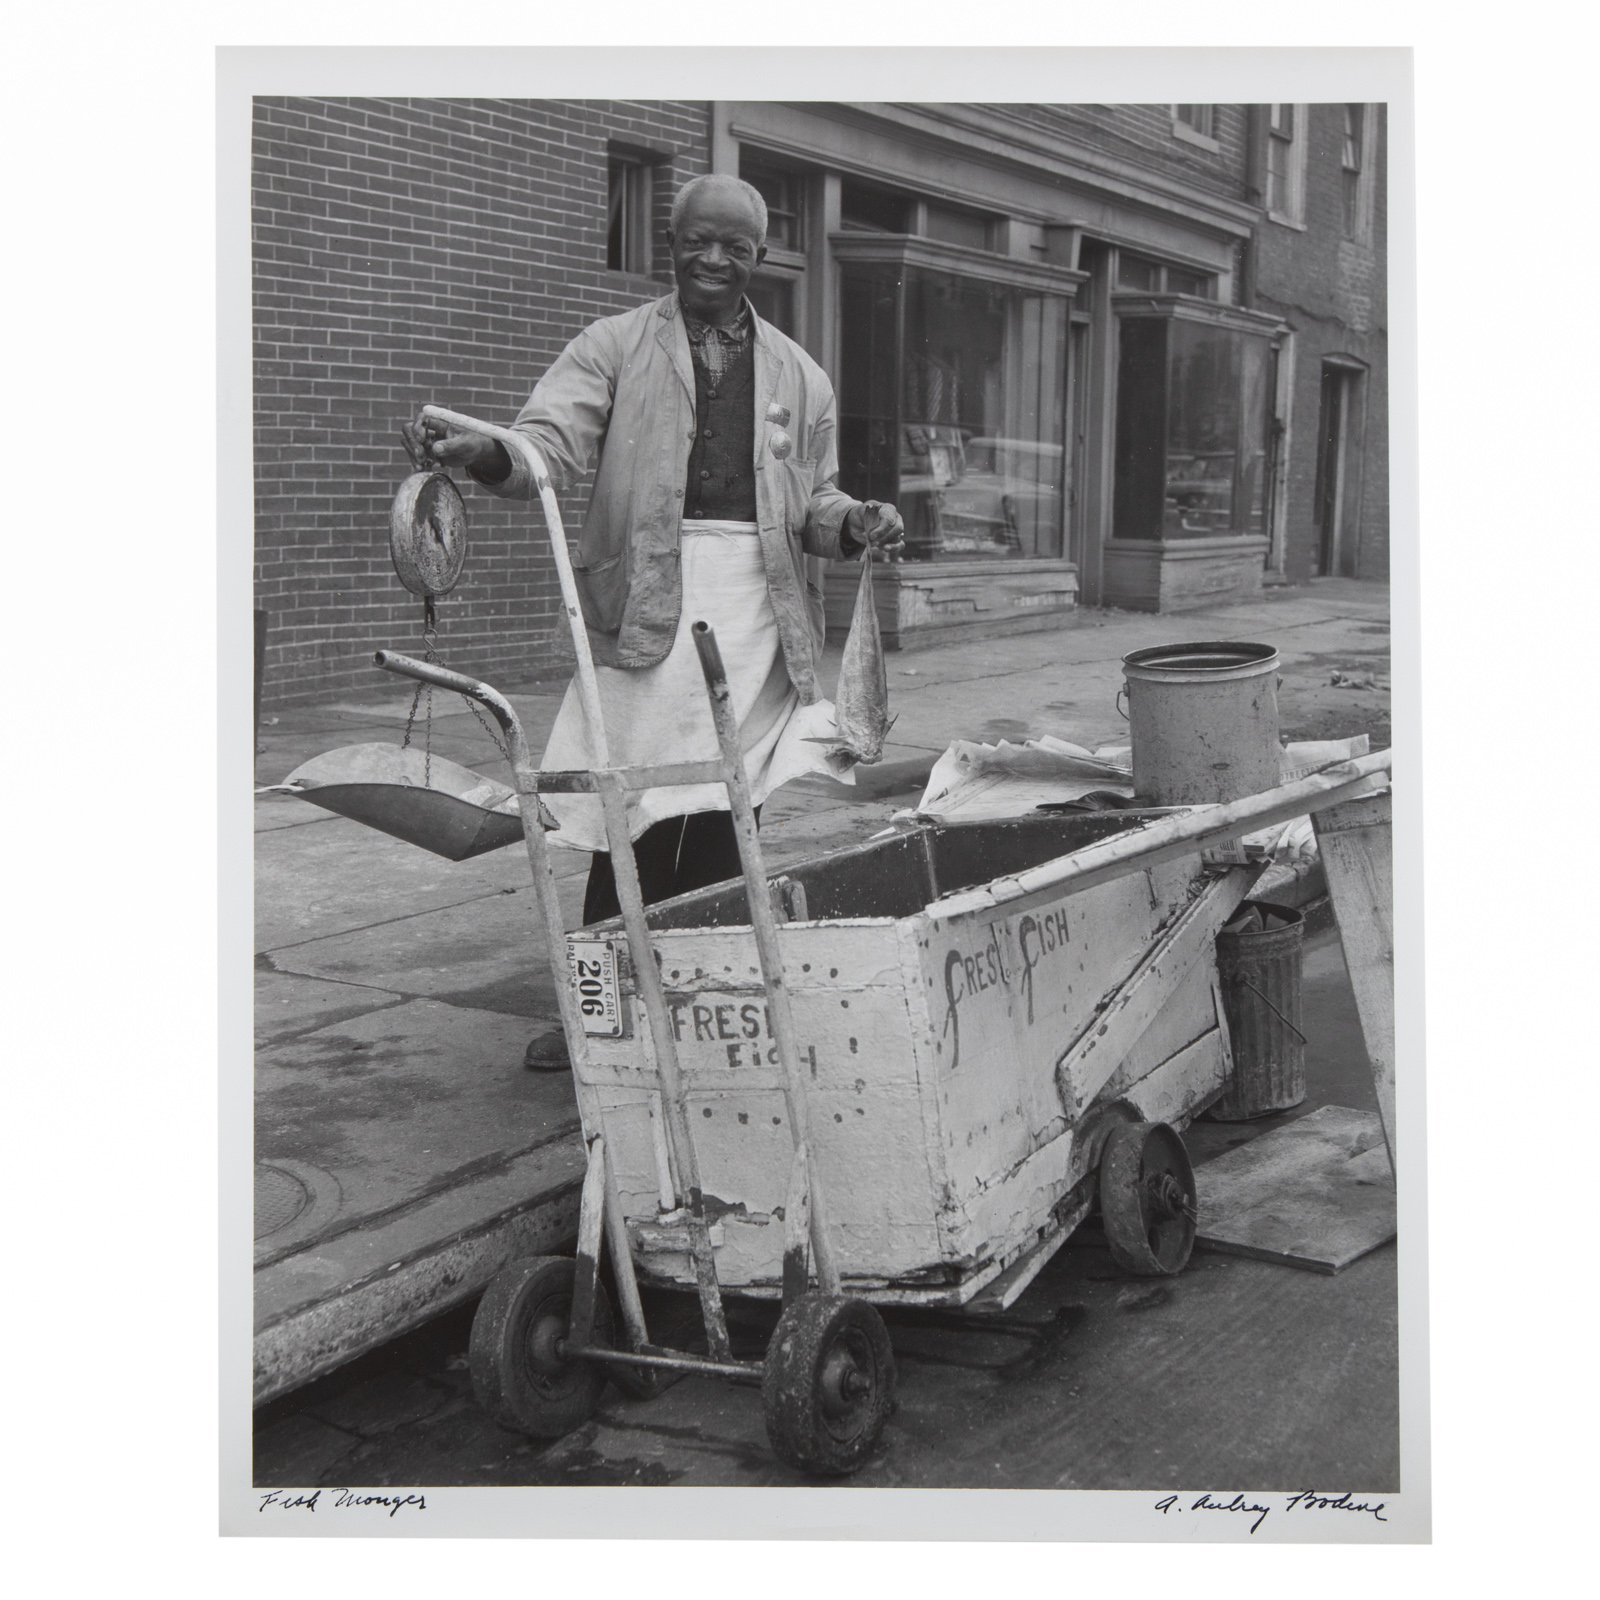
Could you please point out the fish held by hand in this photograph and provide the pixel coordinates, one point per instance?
(861, 706)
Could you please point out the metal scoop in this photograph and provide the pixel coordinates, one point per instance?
(427, 801)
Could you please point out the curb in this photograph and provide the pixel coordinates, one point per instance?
(321, 1334)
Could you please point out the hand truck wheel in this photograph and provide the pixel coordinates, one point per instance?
(1147, 1199)
(827, 1385)
(519, 1375)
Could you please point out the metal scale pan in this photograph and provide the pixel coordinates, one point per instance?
(428, 801)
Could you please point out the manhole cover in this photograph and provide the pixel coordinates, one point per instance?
(280, 1198)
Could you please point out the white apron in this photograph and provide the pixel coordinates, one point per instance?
(661, 713)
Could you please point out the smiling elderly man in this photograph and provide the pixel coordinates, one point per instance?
(717, 460)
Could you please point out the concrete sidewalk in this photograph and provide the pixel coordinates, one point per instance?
(403, 1153)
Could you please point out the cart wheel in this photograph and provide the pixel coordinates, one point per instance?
(1147, 1199)
(828, 1384)
(518, 1374)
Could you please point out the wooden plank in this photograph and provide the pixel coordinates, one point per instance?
(1186, 833)
(1183, 1082)
(1008, 1288)
(628, 1301)
(1356, 841)
(633, 779)
(591, 1220)
(1314, 1193)
(796, 1229)
(1093, 1058)
(843, 954)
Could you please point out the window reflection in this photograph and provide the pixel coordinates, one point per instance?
(1202, 429)
(1193, 411)
(952, 404)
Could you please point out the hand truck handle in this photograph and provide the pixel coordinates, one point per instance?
(508, 437)
(588, 685)
(444, 678)
(705, 642)
(763, 926)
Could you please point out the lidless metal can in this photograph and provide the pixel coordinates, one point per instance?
(1260, 976)
(1204, 721)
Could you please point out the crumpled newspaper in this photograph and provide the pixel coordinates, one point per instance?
(973, 782)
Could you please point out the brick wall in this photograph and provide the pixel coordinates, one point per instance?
(1333, 292)
(408, 251)
(1143, 136)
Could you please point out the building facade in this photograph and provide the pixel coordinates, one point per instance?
(1105, 355)
(408, 251)
(1318, 263)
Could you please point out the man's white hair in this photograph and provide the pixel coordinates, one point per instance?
(723, 181)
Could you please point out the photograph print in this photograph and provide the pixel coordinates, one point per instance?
(823, 891)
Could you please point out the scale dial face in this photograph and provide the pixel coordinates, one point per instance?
(428, 533)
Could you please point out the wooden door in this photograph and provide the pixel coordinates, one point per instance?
(1077, 432)
(1331, 429)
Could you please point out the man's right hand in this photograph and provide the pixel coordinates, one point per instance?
(432, 444)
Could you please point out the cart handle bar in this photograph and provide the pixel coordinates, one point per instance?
(521, 446)
(508, 437)
(705, 641)
(444, 678)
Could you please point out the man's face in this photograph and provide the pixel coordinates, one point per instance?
(714, 252)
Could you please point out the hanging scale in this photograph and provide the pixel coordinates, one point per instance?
(428, 545)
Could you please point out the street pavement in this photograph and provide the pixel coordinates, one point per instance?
(403, 1152)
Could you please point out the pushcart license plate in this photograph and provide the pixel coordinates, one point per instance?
(593, 964)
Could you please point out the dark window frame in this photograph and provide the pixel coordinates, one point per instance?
(1161, 282)
(630, 194)
(1285, 175)
(1352, 164)
(762, 173)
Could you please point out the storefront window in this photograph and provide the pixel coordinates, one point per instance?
(1181, 281)
(865, 208)
(1193, 412)
(952, 400)
(1135, 272)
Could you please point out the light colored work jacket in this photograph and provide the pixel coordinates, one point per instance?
(625, 388)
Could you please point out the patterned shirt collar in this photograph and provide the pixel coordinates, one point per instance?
(712, 346)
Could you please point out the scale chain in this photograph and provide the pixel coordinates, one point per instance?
(430, 653)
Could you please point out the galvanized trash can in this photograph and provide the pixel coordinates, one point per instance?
(1203, 718)
(1259, 963)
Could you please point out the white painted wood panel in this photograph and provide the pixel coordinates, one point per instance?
(930, 1047)
(1356, 840)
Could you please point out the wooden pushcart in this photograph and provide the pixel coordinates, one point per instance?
(901, 1073)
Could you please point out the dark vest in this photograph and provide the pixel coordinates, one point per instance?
(722, 474)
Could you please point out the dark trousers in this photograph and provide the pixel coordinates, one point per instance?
(674, 857)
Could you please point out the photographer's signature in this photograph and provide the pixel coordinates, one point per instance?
(1257, 1510)
(338, 1500)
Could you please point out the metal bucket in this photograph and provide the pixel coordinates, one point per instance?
(1260, 976)
(1204, 721)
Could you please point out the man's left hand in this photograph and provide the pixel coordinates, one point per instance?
(877, 526)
